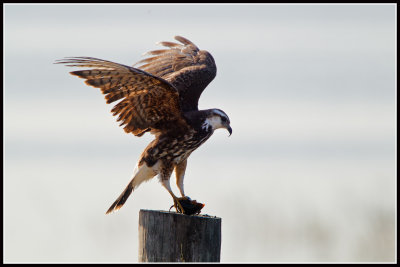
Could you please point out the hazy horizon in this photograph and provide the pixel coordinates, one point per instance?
(308, 175)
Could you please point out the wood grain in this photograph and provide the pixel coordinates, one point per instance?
(173, 237)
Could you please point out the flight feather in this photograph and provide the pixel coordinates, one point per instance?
(147, 102)
(185, 66)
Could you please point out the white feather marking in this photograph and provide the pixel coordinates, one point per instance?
(144, 173)
(214, 122)
(216, 111)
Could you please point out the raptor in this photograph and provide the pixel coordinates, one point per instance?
(160, 96)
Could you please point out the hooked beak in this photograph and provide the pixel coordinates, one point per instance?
(229, 130)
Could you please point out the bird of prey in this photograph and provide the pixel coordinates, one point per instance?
(159, 96)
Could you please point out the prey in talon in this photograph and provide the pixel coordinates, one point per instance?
(187, 206)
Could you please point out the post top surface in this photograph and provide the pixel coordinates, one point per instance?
(205, 216)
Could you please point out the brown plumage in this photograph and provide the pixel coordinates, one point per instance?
(186, 67)
(161, 97)
(148, 102)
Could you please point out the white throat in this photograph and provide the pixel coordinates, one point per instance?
(214, 122)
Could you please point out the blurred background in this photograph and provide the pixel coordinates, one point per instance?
(308, 175)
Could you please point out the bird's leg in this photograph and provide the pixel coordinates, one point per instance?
(191, 206)
(180, 175)
(177, 205)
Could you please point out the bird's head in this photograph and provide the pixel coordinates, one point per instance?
(216, 119)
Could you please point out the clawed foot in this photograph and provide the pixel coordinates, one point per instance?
(187, 206)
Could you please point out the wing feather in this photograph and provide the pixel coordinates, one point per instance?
(185, 66)
(148, 103)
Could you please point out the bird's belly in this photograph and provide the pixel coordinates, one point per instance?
(177, 160)
(174, 150)
(182, 152)
(188, 146)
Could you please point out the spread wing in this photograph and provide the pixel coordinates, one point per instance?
(186, 67)
(148, 103)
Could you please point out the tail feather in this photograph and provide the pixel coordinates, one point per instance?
(142, 174)
(121, 199)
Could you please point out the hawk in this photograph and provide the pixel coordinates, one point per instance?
(159, 96)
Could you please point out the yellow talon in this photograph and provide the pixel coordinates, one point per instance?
(178, 206)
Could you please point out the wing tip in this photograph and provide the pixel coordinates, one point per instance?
(75, 73)
(183, 40)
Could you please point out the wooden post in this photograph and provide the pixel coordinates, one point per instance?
(174, 237)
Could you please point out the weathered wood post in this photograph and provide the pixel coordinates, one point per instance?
(174, 237)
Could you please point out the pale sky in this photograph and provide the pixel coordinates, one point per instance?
(308, 174)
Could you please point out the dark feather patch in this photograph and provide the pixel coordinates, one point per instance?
(186, 67)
